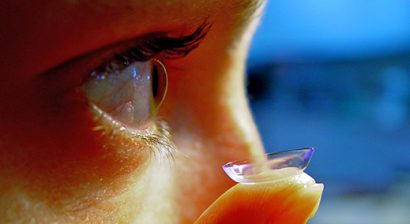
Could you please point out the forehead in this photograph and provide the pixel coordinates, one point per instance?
(60, 29)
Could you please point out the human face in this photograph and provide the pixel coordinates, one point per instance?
(57, 168)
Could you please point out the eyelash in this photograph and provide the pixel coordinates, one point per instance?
(156, 45)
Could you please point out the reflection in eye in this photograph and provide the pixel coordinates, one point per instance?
(130, 95)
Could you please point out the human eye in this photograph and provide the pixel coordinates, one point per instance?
(125, 89)
(121, 88)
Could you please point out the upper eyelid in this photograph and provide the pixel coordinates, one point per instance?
(76, 70)
(151, 45)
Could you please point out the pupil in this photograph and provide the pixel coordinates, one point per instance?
(155, 81)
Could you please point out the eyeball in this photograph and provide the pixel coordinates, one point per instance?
(131, 95)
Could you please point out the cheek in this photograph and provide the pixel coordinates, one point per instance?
(50, 147)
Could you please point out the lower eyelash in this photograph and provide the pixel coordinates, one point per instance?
(157, 137)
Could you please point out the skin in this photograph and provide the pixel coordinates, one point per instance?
(56, 168)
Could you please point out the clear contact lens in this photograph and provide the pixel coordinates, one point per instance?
(274, 166)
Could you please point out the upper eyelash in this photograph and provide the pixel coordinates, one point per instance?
(155, 44)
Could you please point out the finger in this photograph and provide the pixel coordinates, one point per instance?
(292, 201)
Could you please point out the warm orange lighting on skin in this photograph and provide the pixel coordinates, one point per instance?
(54, 166)
(291, 201)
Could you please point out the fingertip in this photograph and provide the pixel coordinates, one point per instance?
(292, 200)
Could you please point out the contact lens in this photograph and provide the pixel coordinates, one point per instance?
(274, 166)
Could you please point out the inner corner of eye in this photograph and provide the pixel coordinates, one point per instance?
(130, 95)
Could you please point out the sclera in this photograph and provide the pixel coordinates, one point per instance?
(275, 166)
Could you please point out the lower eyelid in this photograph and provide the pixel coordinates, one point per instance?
(156, 138)
(108, 124)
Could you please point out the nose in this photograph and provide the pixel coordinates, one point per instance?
(211, 123)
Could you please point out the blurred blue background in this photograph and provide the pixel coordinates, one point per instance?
(336, 75)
